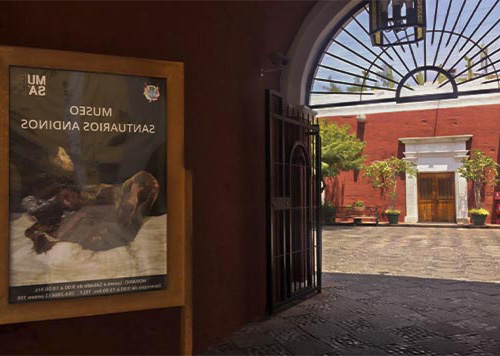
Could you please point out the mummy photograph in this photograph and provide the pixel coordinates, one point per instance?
(87, 207)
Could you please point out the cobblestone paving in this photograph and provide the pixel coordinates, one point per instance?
(390, 291)
(450, 253)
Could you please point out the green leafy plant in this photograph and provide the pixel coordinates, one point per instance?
(479, 212)
(481, 170)
(358, 204)
(391, 211)
(387, 76)
(384, 176)
(419, 78)
(469, 65)
(340, 150)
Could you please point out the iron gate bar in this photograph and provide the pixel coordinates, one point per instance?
(488, 57)
(357, 54)
(345, 72)
(425, 59)
(459, 36)
(478, 53)
(481, 50)
(481, 22)
(353, 84)
(480, 91)
(456, 22)
(407, 99)
(435, 21)
(369, 50)
(412, 54)
(491, 64)
(492, 81)
(426, 97)
(319, 232)
(346, 61)
(478, 77)
(442, 31)
(290, 177)
(338, 93)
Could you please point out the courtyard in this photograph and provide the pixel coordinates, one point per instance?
(391, 291)
(425, 252)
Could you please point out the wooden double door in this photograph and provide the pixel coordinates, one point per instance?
(436, 197)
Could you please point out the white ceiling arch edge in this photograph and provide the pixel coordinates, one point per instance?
(310, 39)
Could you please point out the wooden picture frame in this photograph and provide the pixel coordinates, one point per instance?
(178, 290)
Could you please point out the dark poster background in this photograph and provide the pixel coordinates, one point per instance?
(98, 157)
(76, 139)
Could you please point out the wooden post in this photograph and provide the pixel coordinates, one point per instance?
(187, 309)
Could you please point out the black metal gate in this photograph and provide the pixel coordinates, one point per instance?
(293, 158)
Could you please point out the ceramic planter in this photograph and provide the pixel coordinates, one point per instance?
(393, 218)
(478, 219)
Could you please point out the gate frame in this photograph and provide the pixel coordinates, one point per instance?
(316, 264)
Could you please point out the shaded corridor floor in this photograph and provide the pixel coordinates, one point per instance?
(366, 308)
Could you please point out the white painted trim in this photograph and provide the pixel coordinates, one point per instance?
(436, 139)
(312, 34)
(469, 100)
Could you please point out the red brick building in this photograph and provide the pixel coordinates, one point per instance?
(436, 150)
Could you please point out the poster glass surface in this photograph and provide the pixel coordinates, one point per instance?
(87, 184)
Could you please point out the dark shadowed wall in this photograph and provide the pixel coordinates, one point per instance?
(223, 46)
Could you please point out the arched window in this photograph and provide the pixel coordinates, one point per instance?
(459, 56)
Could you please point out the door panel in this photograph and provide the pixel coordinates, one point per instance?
(436, 197)
(293, 150)
(445, 202)
(425, 199)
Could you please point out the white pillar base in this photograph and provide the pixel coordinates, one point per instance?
(411, 219)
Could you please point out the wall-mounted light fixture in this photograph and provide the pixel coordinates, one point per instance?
(278, 60)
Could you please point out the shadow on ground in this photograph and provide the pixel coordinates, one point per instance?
(360, 314)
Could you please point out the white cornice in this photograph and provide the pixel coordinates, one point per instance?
(435, 139)
(368, 109)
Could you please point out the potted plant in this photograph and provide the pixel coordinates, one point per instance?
(481, 170)
(328, 211)
(479, 216)
(359, 206)
(384, 176)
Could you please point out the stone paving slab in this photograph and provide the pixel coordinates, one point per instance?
(453, 254)
(402, 304)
